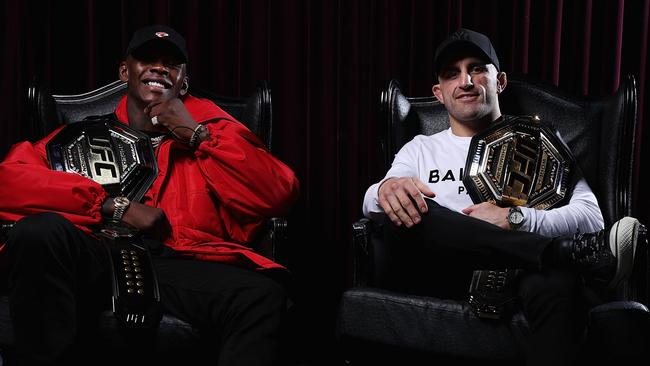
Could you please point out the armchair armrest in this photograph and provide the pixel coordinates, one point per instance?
(4, 229)
(372, 256)
(273, 239)
(361, 241)
(269, 245)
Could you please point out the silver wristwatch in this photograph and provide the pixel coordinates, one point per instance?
(120, 204)
(515, 218)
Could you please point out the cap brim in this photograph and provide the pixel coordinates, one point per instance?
(459, 49)
(165, 47)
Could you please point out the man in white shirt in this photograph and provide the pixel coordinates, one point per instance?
(433, 217)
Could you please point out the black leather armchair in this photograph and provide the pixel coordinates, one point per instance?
(174, 337)
(381, 325)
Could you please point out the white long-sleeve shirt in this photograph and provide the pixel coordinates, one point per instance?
(438, 161)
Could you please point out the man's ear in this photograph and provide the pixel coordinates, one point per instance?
(123, 71)
(438, 93)
(186, 86)
(502, 81)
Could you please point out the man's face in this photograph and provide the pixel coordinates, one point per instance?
(468, 88)
(154, 73)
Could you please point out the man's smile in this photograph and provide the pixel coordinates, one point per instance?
(467, 96)
(156, 85)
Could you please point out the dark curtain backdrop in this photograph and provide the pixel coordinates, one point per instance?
(327, 62)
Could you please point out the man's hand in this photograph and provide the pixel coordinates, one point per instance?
(401, 199)
(172, 115)
(147, 219)
(489, 212)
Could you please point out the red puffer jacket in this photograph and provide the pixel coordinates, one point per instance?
(215, 197)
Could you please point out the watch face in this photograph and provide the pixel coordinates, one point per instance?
(516, 217)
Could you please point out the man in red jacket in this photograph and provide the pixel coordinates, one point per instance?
(216, 185)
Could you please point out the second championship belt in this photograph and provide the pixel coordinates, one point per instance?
(122, 160)
(516, 162)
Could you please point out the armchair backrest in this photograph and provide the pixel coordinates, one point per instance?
(599, 132)
(47, 111)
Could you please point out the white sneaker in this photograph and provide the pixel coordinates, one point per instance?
(623, 239)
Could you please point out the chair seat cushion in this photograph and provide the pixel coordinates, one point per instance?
(621, 329)
(428, 324)
(172, 335)
(450, 327)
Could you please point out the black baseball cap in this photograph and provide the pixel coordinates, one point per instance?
(465, 40)
(158, 33)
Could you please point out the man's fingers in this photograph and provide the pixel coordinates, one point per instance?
(413, 203)
(405, 200)
(468, 210)
(420, 203)
(402, 201)
(149, 108)
(388, 210)
(399, 211)
(423, 188)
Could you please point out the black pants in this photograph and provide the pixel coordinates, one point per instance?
(437, 257)
(59, 281)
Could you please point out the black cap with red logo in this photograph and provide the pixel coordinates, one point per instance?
(158, 33)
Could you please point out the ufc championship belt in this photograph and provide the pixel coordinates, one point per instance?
(516, 162)
(122, 160)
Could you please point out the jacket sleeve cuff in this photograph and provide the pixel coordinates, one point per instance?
(204, 146)
(95, 209)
